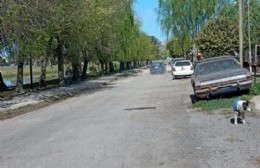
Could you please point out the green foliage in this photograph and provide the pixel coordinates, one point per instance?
(93, 68)
(82, 26)
(231, 13)
(184, 19)
(209, 105)
(10, 72)
(218, 37)
(177, 46)
(255, 89)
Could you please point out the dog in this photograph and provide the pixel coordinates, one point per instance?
(239, 108)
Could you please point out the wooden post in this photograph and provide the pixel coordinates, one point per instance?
(241, 32)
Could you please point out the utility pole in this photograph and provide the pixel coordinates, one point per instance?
(241, 32)
(249, 37)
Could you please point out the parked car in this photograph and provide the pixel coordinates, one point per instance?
(174, 60)
(218, 76)
(157, 67)
(182, 68)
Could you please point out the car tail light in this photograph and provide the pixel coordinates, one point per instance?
(191, 68)
(249, 77)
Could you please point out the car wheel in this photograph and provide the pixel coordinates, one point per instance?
(209, 96)
(194, 99)
(173, 77)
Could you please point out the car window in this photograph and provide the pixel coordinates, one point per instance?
(182, 63)
(157, 64)
(216, 66)
(177, 59)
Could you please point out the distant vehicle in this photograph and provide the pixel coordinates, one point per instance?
(157, 67)
(182, 68)
(218, 76)
(174, 60)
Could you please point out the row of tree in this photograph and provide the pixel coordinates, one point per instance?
(74, 31)
(208, 26)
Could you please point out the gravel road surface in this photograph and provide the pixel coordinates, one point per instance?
(145, 121)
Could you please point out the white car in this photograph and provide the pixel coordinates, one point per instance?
(182, 68)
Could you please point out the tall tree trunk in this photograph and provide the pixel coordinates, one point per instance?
(106, 67)
(59, 52)
(135, 64)
(102, 67)
(19, 80)
(111, 67)
(122, 66)
(194, 53)
(75, 70)
(84, 70)
(128, 65)
(2, 83)
(44, 62)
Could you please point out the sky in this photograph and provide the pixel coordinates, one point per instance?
(145, 12)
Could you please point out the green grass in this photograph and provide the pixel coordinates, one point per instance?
(255, 89)
(10, 72)
(209, 105)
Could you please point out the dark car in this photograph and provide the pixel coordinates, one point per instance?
(157, 67)
(218, 76)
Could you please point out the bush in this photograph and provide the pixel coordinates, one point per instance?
(255, 89)
(92, 69)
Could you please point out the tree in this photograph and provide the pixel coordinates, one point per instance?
(25, 24)
(184, 19)
(73, 31)
(231, 12)
(218, 37)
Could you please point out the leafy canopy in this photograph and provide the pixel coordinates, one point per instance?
(218, 37)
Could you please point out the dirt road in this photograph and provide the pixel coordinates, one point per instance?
(145, 121)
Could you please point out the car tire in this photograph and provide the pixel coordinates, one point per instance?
(173, 77)
(194, 99)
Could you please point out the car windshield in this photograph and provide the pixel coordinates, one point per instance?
(216, 66)
(182, 63)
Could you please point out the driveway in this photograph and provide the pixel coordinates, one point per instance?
(145, 121)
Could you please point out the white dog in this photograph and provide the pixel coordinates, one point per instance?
(239, 107)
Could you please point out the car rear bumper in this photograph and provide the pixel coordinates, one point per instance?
(182, 73)
(223, 89)
(157, 72)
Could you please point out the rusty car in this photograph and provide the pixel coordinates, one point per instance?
(219, 76)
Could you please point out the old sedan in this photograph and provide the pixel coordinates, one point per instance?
(218, 76)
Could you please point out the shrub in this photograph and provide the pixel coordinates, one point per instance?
(255, 89)
(92, 69)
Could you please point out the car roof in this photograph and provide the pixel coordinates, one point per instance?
(183, 60)
(156, 61)
(216, 58)
(178, 58)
